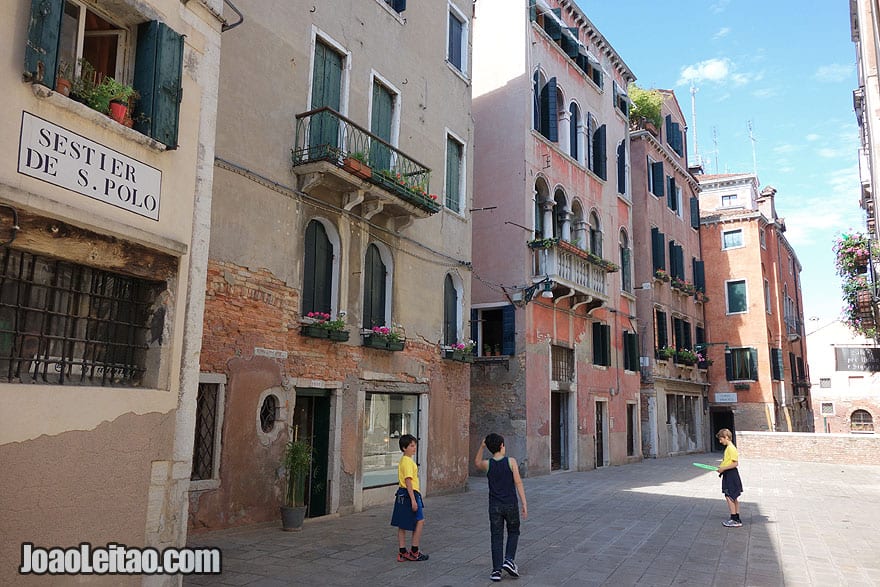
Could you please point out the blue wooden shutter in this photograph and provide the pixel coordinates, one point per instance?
(453, 174)
(675, 133)
(572, 130)
(398, 5)
(450, 312)
(570, 43)
(158, 79)
(695, 212)
(508, 330)
(548, 111)
(533, 13)
(621, 167)
(728, 365)
(672, 196)
(44, 37)
(753, 364)
(600, 164)
(672, 267)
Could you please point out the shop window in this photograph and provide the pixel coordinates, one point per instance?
(387, 416)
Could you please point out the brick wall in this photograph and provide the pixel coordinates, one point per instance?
(851, 449)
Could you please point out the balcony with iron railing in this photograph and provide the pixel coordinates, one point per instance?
(340, 156)
(581, 274)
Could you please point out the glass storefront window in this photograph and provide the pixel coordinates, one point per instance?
(387, 417)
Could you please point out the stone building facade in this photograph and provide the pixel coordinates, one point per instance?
(344, 150)
(758, 321)
(553, 308)
(104, 228)
(670, 287)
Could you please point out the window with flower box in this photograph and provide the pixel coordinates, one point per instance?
(65, 34)
(377, 284)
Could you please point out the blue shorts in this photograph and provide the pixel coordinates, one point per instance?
(403, 517)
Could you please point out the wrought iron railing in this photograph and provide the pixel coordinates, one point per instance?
(326, 135)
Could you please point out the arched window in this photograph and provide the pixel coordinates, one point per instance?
(375, 276)
(574, 135)
(595, 235)
(560, 218)
(545, 107)
(450, 312)
(861, 421)
(317, 270)
(542, 194)
(625, 262)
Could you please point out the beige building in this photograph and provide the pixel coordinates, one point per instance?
(344, 149)
(104, 230)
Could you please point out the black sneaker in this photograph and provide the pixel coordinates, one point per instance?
(417, 556)
(510, 567)
(495, 576)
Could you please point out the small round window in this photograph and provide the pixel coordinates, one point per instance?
(268, 413)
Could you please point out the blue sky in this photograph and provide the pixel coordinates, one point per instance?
(786, 66)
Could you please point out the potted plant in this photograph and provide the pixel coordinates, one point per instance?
(461, 351)
(645, 111)
(385, 338)
(357, 163)
(64, 81)
(686, 356)
(112, 97)
(297, 462)
(661, 275)
(83, 85)
(666, 353)
(319, 325)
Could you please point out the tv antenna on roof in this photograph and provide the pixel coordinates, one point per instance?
(694, 120)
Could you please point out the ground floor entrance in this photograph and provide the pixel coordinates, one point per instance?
(311, 420)
(722, 419)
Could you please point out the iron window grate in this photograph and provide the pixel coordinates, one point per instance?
(67, 324)
(206, 430)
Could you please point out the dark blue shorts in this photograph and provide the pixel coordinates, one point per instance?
(731, 484)
(403, 517)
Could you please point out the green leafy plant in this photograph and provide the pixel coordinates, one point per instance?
(543, 243)
(322, 320)
(393, 334)
(83, 84)
(296, 463)
(666, 352)
(645, 104)
(853, 252)
(687, 356)
(359, 156)
(109, 90)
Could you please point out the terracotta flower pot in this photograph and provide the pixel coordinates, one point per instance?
(118, 111)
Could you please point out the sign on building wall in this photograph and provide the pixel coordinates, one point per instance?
(55, 155)
(857, 359)
(725, 398)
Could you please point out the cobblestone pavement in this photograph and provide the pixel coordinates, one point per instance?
(657, 522)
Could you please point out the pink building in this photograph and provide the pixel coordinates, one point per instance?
(670, 286)
(553, 302)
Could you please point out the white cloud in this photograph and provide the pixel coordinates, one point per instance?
(834, 72)
(719, 6)
(785, 148)
(722, 32)
(764, 93)
(719, 71)
(830, 153)
(815, 218)
(812, 137)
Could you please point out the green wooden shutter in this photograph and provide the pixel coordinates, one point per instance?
(455, 34)
(548, 111)
(777, 367)
(621, 167)
(753, 364)
(606, 345)
(658, 249)
(569, 42)
(450, 312)
(597, 343)
(695, 212)
(679, 261)
(657, 178)
(536, 103)
(625, 268)
(380, 125)
(508, 330)
(374, 289)
(552, 27)
(398, 5)
(728, 365)
(453, 174)
(662, 329)
(317, 270)
(688, 338)
(326, 91)
(158, 79)
(699, 276)
(672, 197)
(600, 163)
(475, 328)
(533, 13)
(44, 37)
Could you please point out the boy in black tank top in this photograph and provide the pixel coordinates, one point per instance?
(504, 509)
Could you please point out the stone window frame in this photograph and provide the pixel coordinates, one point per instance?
(218, 379)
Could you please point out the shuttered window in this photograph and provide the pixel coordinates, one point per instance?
(55, 43)
(601, 344)
(621, 167)
(375, 275)
(454, 153)
(599, 157)
(455, 50)
(381, 124)
(672, 195)
(699, 275)
(450, 312)
(741, 364)
(658, 249)
(326, 92)
(547, 111)
(661, 329)
(397, 5)
(317, 270)
(695, 212)
(630, 351)
(573, 122)
(655, 171)
(777, 365)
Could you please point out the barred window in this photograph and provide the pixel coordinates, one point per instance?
(67, 324)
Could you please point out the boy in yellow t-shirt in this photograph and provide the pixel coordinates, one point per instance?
(731, 484)
(408, 512)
